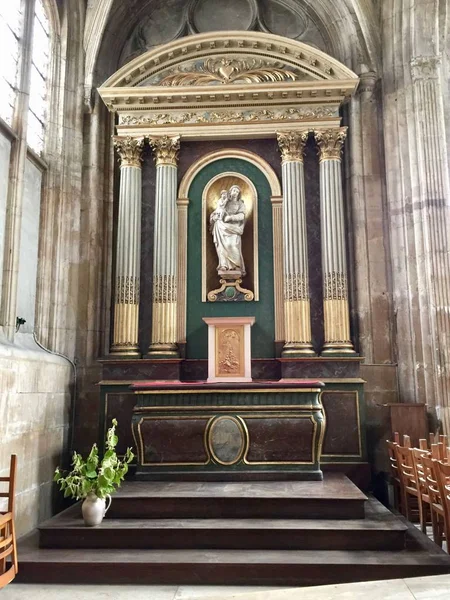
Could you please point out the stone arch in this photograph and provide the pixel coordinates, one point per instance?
(250, 157)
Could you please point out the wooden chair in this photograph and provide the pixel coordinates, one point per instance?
(409, 487)
(423, 445)
(437, 509)
(8, 548)
(443, 481)
(421, 482)
(395, 476)
(406, 441)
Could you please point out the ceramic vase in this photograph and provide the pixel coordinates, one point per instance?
(94, 509)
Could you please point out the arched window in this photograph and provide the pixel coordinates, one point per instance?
(16, 75)
(39, 79)
(11, 23)
(24, 85)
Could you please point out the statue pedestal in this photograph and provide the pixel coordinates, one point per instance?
(229, 349)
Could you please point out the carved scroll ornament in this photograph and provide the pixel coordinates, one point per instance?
(230, 70)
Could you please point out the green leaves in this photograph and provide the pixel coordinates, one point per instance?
(91, 475)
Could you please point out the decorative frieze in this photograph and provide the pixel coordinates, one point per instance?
(330, 142)
(165, 149)
(301, 113)
(292, 145)
(129, 150)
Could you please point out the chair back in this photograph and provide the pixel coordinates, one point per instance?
(419, 469)
(8, 549)
(10, 486)
(405, 466)
(407, 441)
(393, 459)
(443, 480)
(431, 479)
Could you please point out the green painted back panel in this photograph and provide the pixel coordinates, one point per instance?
(263, 331)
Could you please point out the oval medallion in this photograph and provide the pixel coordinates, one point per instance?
(226, 440)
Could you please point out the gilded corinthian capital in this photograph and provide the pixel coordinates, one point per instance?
(165, 149)
(330, 142)
(129, 150)
(292, 145)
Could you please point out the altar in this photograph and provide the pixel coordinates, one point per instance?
(228, 431)
(231, 206)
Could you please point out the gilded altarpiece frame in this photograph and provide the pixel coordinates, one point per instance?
(211, 194)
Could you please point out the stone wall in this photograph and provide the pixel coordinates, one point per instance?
(35, 403)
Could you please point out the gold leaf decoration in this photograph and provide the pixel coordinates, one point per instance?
(230, 70)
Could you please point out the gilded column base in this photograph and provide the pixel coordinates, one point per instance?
(125, 350)
(297, 324)
(337, 328)
(297, 350)
(125, 339)
(164, 328)
(161, 351)
(337, 349)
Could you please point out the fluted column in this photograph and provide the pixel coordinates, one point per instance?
(297, 314)
(431, 212)
(165, 249)
(334, 262)
(128, 258)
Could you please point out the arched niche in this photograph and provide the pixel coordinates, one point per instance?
(183, 206)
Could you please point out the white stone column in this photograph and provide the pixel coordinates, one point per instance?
(297, 315)
(334, 260)
(433, 212)
(128, 258)
(165, 253)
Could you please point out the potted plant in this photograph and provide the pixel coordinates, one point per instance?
(94, 480)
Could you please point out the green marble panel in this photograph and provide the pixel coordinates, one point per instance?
(263, 331)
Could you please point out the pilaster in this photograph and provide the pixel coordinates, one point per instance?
(297, 314)
(164, 320)
(128, 260)
(434, 206)
(334, 262)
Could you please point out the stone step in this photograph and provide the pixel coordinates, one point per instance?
(336, 497)
(231, 567)
(380, 530)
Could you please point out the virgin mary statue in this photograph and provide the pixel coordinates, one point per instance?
(227, 226)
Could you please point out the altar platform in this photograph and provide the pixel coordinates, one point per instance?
(237, 533)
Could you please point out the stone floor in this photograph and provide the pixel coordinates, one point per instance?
(420, 588)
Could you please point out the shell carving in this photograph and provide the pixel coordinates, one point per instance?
(225, 70)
